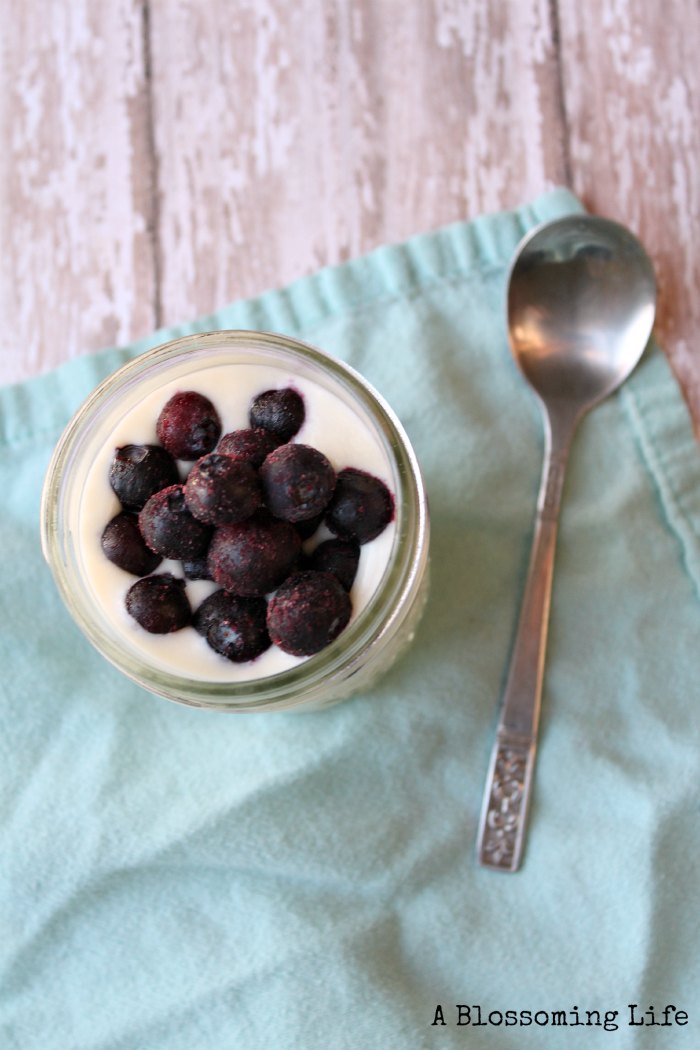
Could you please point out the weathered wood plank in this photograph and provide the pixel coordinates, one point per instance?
(75, 181)
(289, 136)
(631, 82)
(293, 135)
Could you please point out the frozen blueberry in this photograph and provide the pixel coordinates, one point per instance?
(280, 411)
(308, 611)
(250, 445)
(169, 529)
(213, 608)
(159, 603)
(361, 507)
(234, 627)
(197, 568)
(253, 557)
(188, 425)
(341, 557)
(138, 471)
(297, 481)
(124, 545)
(220, 489)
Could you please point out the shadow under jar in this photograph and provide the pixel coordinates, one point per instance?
(345, 418)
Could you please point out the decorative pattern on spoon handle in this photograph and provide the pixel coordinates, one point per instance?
(504, 816)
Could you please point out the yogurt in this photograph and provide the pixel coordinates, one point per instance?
(345, 419)
(332, 425)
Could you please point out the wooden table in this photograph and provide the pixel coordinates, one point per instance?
(161, 158)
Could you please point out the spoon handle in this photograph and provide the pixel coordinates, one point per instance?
(509, 779)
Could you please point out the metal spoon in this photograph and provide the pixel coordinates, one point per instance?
(581, 302)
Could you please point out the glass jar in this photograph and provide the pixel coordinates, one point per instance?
(373, 638)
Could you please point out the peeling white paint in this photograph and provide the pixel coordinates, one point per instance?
(76, 264)
(289, 136)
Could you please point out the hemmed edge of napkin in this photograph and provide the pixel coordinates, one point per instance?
(42, 405)
(663, 429)
(39, 408)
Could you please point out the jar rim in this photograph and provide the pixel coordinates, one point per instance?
(373, 624)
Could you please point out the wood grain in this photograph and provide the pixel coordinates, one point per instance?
(163, 157)
(75, 181)
(631, 83)
(290, 136)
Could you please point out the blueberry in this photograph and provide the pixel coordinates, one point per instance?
(308, 611)
(168, 527)
(196, 568)
(124, 545)
(361, 507)
(138, 471)
(159, 603)
(213, 608)
(249, 445)
(234, 627)
(220, 489)
(188, 425)
(297, 481)
(253, 557)
(341, 557)
(279, 411)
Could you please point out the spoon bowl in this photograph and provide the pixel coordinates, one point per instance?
(581, 302)
(581, 298)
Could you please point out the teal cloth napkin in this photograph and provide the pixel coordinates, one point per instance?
(174, 879)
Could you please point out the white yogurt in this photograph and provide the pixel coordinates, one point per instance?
(331, 426)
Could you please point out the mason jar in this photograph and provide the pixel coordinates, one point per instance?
(343, 412)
